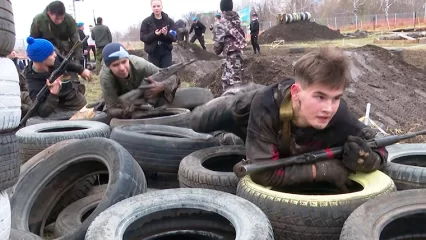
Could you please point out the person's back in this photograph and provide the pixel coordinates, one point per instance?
(101, 35)
(230, 33)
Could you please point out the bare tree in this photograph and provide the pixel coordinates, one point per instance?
(385, 5)
(117, 36)
(355, 6)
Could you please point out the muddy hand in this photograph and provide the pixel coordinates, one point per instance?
(358, 156)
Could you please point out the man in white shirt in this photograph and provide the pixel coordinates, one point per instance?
(91, 44)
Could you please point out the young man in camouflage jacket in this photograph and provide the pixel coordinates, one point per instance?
(296, 116)
(229, 38)
(121, 73)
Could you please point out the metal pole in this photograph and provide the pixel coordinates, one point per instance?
(73, 8)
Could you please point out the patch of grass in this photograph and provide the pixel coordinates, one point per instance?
(410, 129)
(93, 90)
(187, 84)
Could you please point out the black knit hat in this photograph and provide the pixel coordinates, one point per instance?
(226, 5)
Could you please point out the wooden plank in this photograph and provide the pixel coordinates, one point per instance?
(378, 41)
(405, 36)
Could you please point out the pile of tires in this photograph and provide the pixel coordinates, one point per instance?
(10, 114)
(294, 17)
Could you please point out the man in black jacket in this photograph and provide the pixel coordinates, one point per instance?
(82, 35)
(157, 38)
(199, 30)
(296, 116)
(254, 33)
(64, 94)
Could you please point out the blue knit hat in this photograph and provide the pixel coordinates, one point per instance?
(114, 51)
(39, 49)
(80, 24)
(194, 19)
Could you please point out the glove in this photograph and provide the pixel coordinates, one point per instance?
(333, 171)
(367, 133)
(128, 111)
(358, 156)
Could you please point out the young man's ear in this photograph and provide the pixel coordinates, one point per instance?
(295, 90)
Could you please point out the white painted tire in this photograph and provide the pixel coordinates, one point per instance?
(10, 95)
(5, 216)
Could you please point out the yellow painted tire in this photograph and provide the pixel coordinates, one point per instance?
(295, 216)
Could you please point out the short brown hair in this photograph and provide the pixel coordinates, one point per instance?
(326, 65)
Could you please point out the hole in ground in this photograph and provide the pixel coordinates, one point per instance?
(223, 163)
(320, 188)
(406, 227)
(415, 160)
(61, 129)
(179, 224)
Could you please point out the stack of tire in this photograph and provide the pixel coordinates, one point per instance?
(10, 114)
(294, 17)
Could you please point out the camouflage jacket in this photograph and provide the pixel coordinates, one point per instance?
(228, 36)
(62, 36)
(112, 87)
(264, 132)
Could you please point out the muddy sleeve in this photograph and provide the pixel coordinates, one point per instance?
(171, 84)
(191, 29)
(219, 38)
(109, 91)
(47, 106)
(261, 144)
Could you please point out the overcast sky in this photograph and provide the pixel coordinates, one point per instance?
(117, 15)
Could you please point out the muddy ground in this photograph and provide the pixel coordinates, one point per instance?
(395, 88)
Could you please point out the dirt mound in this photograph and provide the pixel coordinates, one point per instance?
(190, 51)
(298, 31)
(199, 69)
(395, 89)
(263, 69)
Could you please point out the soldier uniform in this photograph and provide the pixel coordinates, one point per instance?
(229, 38)
(113, 86)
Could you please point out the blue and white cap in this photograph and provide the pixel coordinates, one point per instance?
(114, 51)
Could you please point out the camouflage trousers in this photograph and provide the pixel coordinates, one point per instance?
(232, 71)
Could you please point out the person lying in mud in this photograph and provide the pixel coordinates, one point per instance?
(64, 94)
(121, 73)
(296, 116)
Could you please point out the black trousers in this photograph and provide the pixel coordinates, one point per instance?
(200, 39)
(254, 43)
(161, 57)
